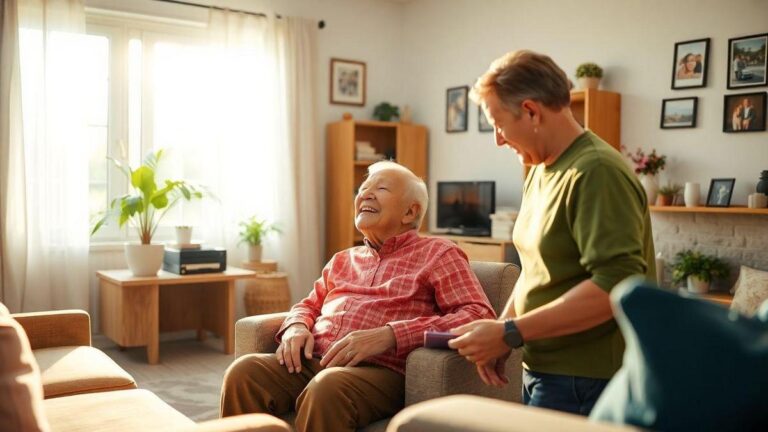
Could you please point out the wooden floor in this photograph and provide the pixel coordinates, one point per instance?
(188, 377)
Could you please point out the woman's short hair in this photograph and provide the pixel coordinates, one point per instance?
(521, 75)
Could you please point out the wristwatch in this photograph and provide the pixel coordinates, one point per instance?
(512, 336)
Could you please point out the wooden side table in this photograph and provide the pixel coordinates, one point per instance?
(134, 310)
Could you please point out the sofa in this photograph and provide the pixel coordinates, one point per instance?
(51, 378)
(429, 373)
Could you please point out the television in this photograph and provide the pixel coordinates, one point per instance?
(465, 207)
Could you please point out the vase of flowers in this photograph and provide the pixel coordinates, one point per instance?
(647, 166)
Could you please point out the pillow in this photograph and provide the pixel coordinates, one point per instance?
(750, 291)
(21, 390)
(689, 365)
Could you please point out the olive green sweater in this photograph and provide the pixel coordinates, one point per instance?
(583, 217)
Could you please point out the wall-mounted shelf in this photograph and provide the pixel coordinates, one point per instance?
(727, 210)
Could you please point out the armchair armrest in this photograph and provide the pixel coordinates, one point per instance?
(56, 328)
(242, 423)
(256, 334)
(431, 374)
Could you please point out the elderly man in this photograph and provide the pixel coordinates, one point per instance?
(342, 350)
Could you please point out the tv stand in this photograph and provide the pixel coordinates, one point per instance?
(469, 232)
(483, 248)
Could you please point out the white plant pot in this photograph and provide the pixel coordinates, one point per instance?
(691, 194)
(183, 235)
(254, 253)
(651, 186)
(589, 82)
(144, 260)
(697, 286)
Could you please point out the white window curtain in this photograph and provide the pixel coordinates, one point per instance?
(44, 178)
(237, 115)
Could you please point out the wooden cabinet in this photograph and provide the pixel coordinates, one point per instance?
(484, 248)
(404, 143)
(600, 112)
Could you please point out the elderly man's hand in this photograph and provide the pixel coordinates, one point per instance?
(481, 341)
(295, 337)
(358, 346)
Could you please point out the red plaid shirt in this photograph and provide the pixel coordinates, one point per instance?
(411, 284)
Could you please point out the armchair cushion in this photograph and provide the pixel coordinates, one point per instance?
(72, 370)
(256, 334)
(56, 328)
(434, 373)
(498, 281)
(689, 364)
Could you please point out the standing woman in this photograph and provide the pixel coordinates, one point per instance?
(583, 226)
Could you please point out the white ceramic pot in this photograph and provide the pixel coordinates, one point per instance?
(183, 235)
(697, 286)
(651, 186)
(144, 260)
(589, 82)
(254, 253)
(691, 194)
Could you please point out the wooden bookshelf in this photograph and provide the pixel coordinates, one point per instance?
(726, 210)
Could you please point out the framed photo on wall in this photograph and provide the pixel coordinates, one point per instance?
(679, 113)
(347, 82)
(747, 61)
(456, 101)
(482, 121)
(689, 69)
(744, 112)
(720, 191)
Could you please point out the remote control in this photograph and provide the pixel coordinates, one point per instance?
(439, 340)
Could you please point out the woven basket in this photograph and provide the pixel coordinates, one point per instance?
(267, 293)
(265, 266)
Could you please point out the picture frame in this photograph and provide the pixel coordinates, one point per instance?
(690, 63)
(744, 112)
(747, 61)
(679, 113)
(456, 104)
(482, 121)
(348, 82)
(720, 192)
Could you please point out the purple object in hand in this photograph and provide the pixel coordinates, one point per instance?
(438, 340)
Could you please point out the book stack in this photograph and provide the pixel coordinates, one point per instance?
(364, 151)
(503, 222)
(183, 246)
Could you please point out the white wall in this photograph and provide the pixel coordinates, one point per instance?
(451, 42)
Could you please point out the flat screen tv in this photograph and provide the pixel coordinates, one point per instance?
(465, 207)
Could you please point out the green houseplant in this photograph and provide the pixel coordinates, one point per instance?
(253, 232)
(385, 112)
(667, 194)
(143, 208)
(589, 75)
(698, 270)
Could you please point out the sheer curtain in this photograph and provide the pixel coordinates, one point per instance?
(237, 115)
(44, 180)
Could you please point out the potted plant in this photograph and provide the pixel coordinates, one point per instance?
(667, 194)
(647, 166)
(698, 270)
(143, 208)
(385, 112)
(253, 232)
(183, 234)
(589, 75)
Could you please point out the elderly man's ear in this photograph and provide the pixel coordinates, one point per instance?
(411, 214)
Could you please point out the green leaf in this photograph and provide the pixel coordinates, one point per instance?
(143, 179)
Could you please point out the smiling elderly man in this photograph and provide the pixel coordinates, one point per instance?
(341, 359)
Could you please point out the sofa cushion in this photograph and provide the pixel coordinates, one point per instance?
(82, 369)
(127, 410)
(21, 392)
(750, 291)
(689, 365)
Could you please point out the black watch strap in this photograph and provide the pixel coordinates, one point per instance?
(512, 336)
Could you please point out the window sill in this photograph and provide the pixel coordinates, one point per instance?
(107, 246)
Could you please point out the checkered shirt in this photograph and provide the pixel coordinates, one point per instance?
(411, 284)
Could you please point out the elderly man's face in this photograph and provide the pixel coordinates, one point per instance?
(382, 204)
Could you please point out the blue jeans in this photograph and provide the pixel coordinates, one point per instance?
(567, 393)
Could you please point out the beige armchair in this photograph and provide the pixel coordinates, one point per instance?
(429, 373)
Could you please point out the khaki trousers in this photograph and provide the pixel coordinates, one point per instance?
(325, 400)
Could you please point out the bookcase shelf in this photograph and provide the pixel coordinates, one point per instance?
(722, 210)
